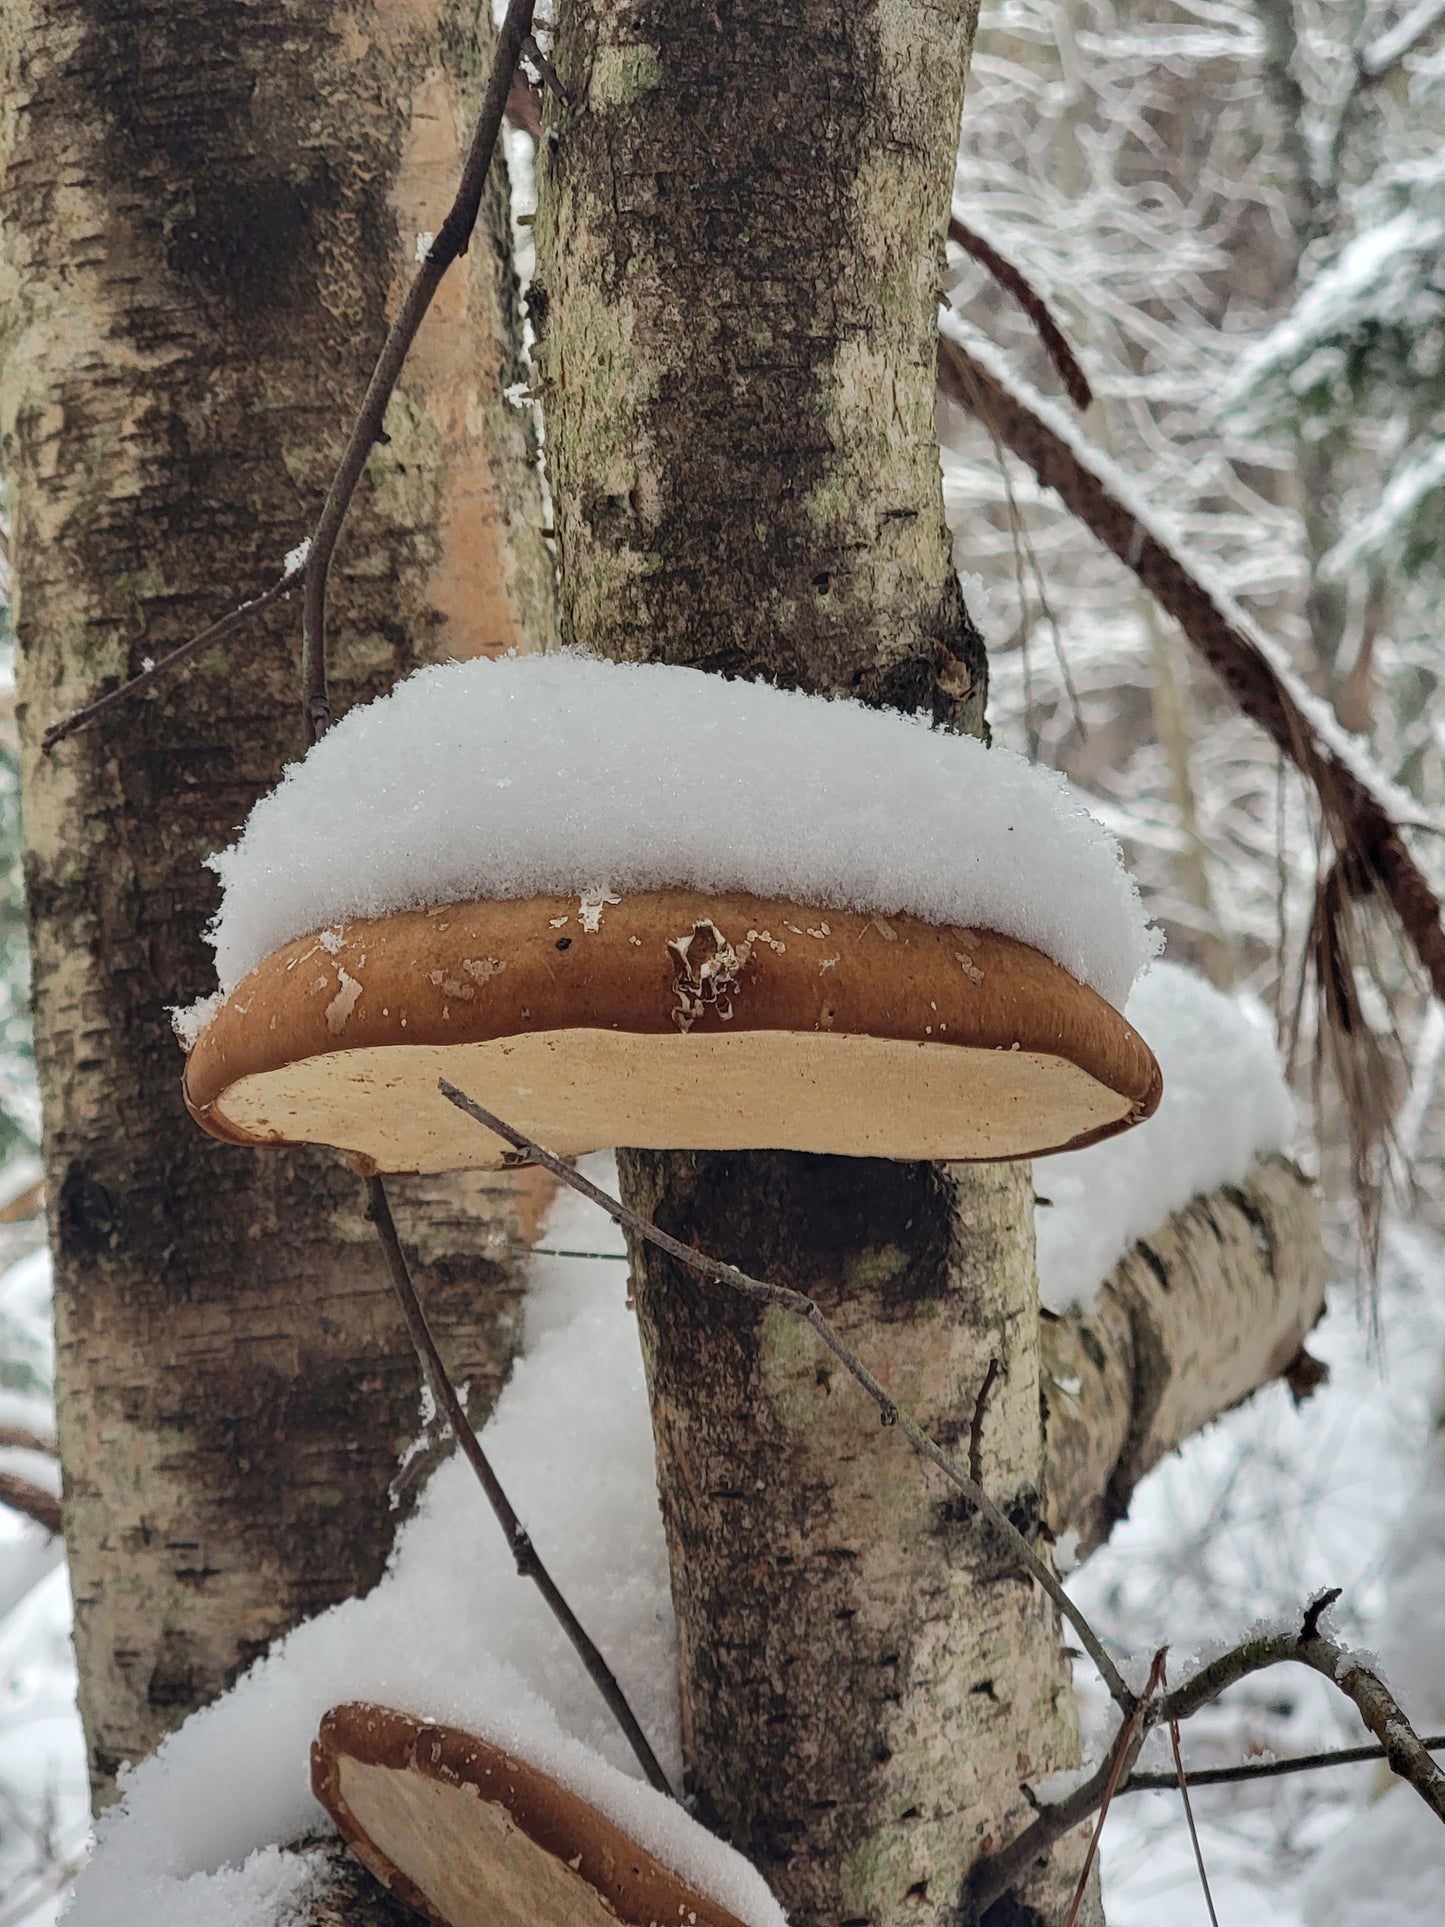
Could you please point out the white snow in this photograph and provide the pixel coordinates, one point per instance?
(1385, 1869)
(1225, 1102)
(1402, 497)
(561, 774)
(1381, 277)
(452, 1634)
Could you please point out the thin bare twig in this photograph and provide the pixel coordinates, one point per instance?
(1013, 280)
(803, 1307)
(558, 1251)
(236, 619)
(529, 1565)
(1125, 1751)
(1270, 1769)
(975, 1426)
(545, 68)
(33, 1500)
(1183, 1784)
(452, 240)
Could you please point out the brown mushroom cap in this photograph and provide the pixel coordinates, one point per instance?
(672, 1019)
(468, 1835)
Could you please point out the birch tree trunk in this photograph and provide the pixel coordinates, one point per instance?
(208, 208)
(740, 239)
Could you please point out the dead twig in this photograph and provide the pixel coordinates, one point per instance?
(1012, 279)
(975, 1424)
(1315, 1648)
(1183, 1785)
(1269, 1769)
(218, 631)
(33, 1500)
(529, 1565)
(803, 1307)
(1310, 1646)
(1124, 1752)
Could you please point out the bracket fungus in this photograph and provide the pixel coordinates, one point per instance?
(467, 1834)
(634, 904)
(681, 1021)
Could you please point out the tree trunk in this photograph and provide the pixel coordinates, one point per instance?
(740, 237)
(209, 208)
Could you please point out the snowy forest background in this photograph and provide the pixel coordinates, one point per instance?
(1236, 208)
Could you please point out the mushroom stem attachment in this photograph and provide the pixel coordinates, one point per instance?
(529, 1565)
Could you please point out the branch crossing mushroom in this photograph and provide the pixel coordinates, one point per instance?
(626, 904)
(471, 1836)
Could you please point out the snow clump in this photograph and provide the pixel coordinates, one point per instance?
(1225, 1103)
(558, 774)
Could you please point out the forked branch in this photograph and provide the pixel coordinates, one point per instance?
(1308, 1644)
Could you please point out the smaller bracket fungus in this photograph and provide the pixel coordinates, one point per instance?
(639, 905)
(470, 1836)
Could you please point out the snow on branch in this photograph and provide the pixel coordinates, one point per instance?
(1401, 39)
(1362, 810)
(1210, 1307)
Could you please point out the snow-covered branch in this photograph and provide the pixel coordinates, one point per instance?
(1362, 812)
(1401, 39)
(1205, 1311)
